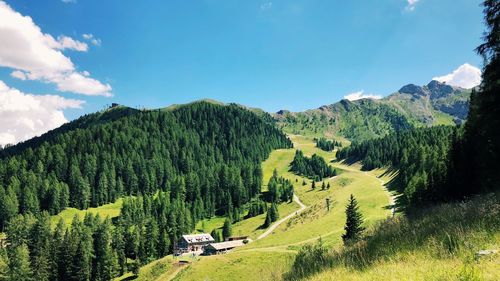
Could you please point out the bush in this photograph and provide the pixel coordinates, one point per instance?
(311, 259)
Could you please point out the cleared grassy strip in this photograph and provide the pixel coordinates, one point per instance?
(109, 210)
(207, 225)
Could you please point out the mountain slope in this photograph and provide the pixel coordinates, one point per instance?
(425, 102)
(412, 106)
(209, 153)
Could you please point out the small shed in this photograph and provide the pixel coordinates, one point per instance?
(223, 247)
(233, 238)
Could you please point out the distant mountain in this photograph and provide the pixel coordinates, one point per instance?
(433, 103)
(412, 106)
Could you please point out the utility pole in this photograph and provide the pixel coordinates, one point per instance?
(328, 204)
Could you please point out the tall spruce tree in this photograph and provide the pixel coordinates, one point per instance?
(19, 264)
(227, 229)
(353, 226)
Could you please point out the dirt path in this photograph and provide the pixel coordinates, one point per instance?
(392, 198)
(276, 224)
(170, 275)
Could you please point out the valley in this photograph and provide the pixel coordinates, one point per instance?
(272, 255)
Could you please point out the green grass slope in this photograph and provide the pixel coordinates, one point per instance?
(437, 243)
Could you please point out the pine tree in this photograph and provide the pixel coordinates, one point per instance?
(313, 185)
(268, 220)
(81, 265)
(227, 230)
(40, 253)
(216, 235)
(274, 212)
(353, 228)
(19, 264)
(9, 206)
(103, 253)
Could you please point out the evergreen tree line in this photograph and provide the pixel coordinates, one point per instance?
(314, 168)
(256, 207)
(327, 145)
(88, 250)
(475, 155)
(210, 152)
(420, 156)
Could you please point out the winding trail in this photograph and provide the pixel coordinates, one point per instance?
(392, 197)
(296, 199)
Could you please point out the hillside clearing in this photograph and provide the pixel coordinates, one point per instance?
(269, 257)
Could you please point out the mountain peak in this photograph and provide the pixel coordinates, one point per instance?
(439, 89)
(412, 89)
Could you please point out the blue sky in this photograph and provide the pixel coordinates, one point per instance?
(296, 55)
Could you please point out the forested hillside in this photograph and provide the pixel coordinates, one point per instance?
(419, 156)
(182, 164)
(204, 154)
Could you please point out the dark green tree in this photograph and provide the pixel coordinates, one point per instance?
(353, 226)
(216, 235)
(19, 264)
(227, 229)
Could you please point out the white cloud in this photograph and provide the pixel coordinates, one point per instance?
(66, 42)
(90, 37)
(19, 75)
(68, 1)
(266, 6)
(25, 115)
(35, 55)
(361, 95)
(411, 5)
(83, 84)
(466, 76)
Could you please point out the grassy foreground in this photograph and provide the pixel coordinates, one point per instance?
(438, 243)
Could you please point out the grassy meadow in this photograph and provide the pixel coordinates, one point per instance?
(270, 257)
